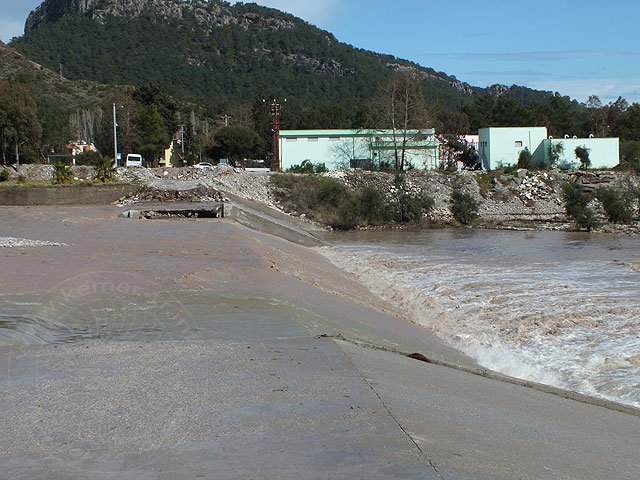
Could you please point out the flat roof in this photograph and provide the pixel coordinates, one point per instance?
(351, 133)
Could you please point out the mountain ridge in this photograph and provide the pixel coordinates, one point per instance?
(217, 54)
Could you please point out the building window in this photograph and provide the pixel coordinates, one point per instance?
(291, 139)
(313, 139)
(519, 143)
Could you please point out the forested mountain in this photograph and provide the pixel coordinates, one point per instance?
(218, 54)
(183, 65)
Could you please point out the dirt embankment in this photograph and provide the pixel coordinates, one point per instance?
(523, 199)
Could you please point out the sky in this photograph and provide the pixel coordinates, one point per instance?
(577, 48)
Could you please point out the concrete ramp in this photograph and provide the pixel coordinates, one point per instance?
(245, 212)
(268, 223)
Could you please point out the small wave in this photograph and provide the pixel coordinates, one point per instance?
(571, 325)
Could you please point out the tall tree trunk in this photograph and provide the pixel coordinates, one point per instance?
(17, 154)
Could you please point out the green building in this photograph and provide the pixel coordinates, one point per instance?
(359, 148)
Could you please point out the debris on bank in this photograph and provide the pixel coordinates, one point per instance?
(521, 199)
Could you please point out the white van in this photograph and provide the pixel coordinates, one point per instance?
(134, 160)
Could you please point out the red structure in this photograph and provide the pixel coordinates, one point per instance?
(275, 128)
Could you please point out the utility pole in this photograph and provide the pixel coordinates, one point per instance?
(182, 139)
(115, 136)
(276, 110)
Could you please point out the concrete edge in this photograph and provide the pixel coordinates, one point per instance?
(265, 223)
(272, 212)
(490, 374)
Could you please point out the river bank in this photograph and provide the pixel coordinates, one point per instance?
(525, 200)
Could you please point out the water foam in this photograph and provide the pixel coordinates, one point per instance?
(568, 325)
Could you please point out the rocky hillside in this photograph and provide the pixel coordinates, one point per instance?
(46, 85)
(215, 53)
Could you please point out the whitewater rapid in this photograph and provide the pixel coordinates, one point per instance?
(555, 308)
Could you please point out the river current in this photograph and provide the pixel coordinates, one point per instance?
(557, 308)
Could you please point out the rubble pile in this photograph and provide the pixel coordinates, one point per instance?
(522, 198)
(150, 194)
(35, 173)
(253, 186)
(250, 185)
(44, 173)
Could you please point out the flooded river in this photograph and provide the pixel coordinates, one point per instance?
(552, 307)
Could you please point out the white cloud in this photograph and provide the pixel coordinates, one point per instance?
(608, 89)
(313, 11)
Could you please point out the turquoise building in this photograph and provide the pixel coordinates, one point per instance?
(358, 148)
(501, 146)
(603, 152)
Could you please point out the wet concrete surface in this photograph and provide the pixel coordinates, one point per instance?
(273, 409)
(478, 428)
(192, 349)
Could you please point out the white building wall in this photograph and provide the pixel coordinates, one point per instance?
(502, 145)
(603, 152)
(316, 149)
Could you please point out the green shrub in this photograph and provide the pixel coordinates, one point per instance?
(485, 182)
(319, 198)
(89, 157)
(373, 206)
(21, 179)
(308, 167)
(62, 174)
(525, 159)
(412, 208)
(105, 169)
(576, 206)
(328, 201)
(464, 207)
(617, 207)
(582, 153)
(5, 175)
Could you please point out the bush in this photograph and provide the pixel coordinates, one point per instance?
(582, 153)
(616, 206)
(5, 175)
(105, 170)
(413, 208)
(62, 174)
(576, 206)
(525, 159)
(87, 158)
(464, 207)
(373, 207)
(485, 182)
(317, 197)
(308, 167)
(21, 179)
(328, 201)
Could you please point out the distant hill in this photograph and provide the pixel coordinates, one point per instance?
(217, 54)
(46, 85)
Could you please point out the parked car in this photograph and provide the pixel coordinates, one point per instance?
(204, 165)
(134, 160)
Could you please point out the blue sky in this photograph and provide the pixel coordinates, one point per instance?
(577, 48)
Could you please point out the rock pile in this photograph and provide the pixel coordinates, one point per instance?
(150, 194)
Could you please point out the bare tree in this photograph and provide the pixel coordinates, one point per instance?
(403, 108)
(349, 149)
